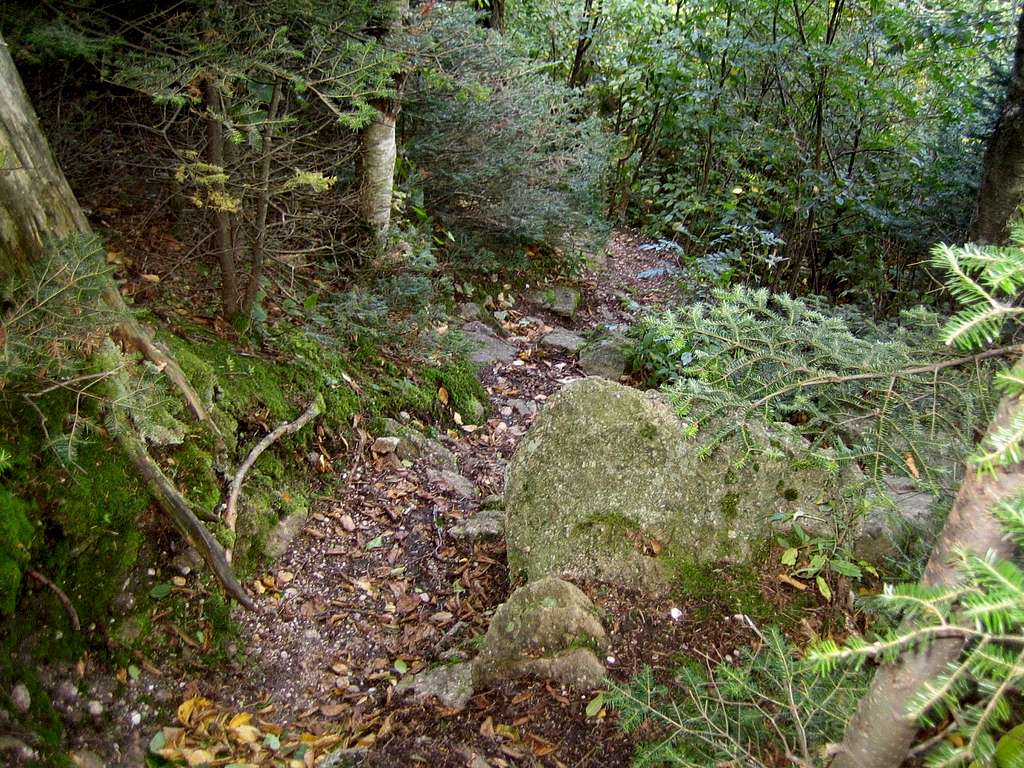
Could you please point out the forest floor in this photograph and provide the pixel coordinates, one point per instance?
(375, 588)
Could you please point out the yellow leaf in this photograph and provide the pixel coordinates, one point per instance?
(242, 718)
(911, 465)
(188, 708)
(442, 395)
(247, 734)
(458, 418)
(150, 278)
(199, 757)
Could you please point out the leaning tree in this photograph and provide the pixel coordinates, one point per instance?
(881, 733)
(37, 212)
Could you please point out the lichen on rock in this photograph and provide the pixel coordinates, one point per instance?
(610, 484)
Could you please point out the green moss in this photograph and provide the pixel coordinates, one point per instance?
(730, 506)
(648, 431)
(192, 470)
(790, 494)
(714, 587)
(15, 540)
(460, 379)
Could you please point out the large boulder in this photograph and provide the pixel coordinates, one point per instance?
(608, 484)
(605, 357)
(562, 300)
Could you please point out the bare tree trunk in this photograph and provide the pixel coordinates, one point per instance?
(379, 148)
(38, 208)
(1002, 180)
(881, 733)
(378, 153)
(223, 242)
(36, 203)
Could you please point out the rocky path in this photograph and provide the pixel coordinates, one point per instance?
(401, 564)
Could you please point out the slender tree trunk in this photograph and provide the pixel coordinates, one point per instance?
(223, 241)
(880, 735)
(37, 208)
(1002, 180)
(379, 148)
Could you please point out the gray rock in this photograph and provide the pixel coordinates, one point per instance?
(451, 685)
(485, 524)
(414, 445)
(605, 470)
(350, 757)
(563, 300)
(470, 311)
(547, 629)
(523, 407)
(485, 346)
(21, 699)
(385, 445)
(605, 357)
(18, 749)
(282, 534)
(901, 514)
(95, 708)
(563, 339)
(453, 481)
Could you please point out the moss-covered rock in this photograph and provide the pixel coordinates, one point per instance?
(546, 629)
(608, 484)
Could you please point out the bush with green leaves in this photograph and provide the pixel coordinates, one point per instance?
(505, 155)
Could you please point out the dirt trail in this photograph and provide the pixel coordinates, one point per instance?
(376, 587)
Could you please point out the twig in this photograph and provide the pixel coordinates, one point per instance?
(62, 596)
(231, 511)
(998, 352)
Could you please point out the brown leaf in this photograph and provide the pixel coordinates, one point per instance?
(487, 728)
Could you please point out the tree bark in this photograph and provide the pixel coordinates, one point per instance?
(378, 146)
(37, 208)
(1001, 191)
(36, 203)
(881, 733)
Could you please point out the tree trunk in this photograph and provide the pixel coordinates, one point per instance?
(36, 203)
(378, 153)
(37, 208)
(378, 146)
(1002, 179)
(880, 735)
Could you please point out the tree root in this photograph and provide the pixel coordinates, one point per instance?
(177, 508)
(231, 512)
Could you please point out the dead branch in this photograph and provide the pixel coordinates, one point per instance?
(231, 511)
(62, 596)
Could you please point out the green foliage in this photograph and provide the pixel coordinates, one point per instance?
(765, 707)
(15, 544)
(856, 389)
(503, 154)
(818, 147)
(985, 610)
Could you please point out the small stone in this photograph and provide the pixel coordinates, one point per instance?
(605, 357)
(453, 481)
(134, 719)
(385, 445)
(95, 708)
(347, 523)
(451, 685)
(21, 699)
(676, 614)
(485, 524)
(562, 339)
(486, 347)
(562, 300)
(525, 408)
(67, 692)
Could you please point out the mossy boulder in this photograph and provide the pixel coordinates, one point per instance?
(548, 628)
(610, 484)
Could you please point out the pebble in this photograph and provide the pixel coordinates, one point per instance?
(20, 698)
(95, 708)
(134, 719)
